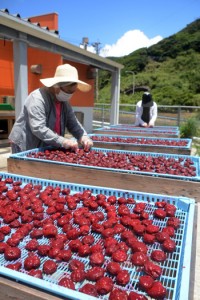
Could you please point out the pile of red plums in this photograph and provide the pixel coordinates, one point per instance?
(160, 164)
(105, 242)
(139, 129)
(141, 141)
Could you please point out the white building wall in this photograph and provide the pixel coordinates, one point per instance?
(87, 118)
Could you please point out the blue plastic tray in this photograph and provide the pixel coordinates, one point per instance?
(176, 269)
(153, 130)
(195, 160)
(188, 141)
(166, 128)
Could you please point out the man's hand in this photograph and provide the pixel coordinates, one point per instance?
(70, 144)
(86, 142)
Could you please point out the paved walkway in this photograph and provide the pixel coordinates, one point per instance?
(4, 154)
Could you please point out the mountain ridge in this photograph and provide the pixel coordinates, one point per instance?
(168, 69)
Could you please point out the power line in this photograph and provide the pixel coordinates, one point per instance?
(96, 47)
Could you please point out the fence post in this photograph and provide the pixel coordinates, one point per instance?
(179, 116)
(103, 115)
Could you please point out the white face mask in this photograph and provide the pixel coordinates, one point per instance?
(62, 96)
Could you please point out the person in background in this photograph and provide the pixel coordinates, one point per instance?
(146, 111)
(47, 113)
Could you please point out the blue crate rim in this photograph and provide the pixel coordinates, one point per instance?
(139, 129)
(187, 258)
(158, 128)
(134, 126)
(172, 128)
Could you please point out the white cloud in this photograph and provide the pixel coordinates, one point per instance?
(129, 42)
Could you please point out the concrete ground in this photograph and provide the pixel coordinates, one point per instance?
(4, 154)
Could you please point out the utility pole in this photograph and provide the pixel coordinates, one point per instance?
(133, 80)
(85, 42)
(96, 47)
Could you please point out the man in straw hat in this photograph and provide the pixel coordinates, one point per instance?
(47, 112)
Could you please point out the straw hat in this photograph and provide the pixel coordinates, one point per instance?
(66, 73)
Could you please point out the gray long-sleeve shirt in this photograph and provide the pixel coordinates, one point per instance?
(34, 127)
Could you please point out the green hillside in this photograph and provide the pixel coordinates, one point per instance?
(170, 69)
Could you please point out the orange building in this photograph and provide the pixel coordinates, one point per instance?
(31, 49)
(41, 64)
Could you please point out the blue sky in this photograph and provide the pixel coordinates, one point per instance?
(119, 27)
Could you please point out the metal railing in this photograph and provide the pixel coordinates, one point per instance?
(168, 115)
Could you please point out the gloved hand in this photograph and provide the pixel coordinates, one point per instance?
(144, 125)
(86, 142)
(151, 124)
(70, 144)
